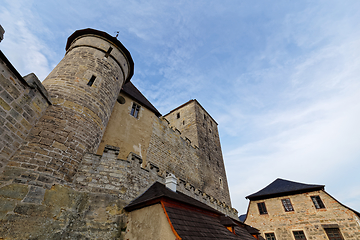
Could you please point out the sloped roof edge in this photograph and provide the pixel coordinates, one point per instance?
(134, 93)
(282, 187)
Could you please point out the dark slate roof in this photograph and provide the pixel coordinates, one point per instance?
(190, 218)
(281, 187)
(190, 224)
(135, 94)
(157, 191)
(242, 217)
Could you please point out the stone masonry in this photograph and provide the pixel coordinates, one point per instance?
(22, 102)
(74, 124)
(305, 217)
(194, 122)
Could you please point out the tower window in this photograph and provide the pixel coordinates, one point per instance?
(317, 202)
(135, 110)
(262, 208)
(178, 115)
(204, 117)
(108, 52)
(91, 81)
(287, 205)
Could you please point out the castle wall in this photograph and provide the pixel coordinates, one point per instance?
(305, 217)
(128, 133)
(21, 106)
(200, 128)
(83, 87)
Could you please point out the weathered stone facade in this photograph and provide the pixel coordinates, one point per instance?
(304, 217)
(196, 125)
(53, 185)
(22, 102)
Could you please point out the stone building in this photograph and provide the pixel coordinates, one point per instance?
(291, 210)
(78, 147)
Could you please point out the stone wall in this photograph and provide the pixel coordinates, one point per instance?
(305, 217)
(196, 124)
(83, 87)
(22, 102)
(128, 179)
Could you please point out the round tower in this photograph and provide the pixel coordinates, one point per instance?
(83, 88)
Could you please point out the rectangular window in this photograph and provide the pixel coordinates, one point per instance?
(317, 202)
(299, 235)
(91, 81)
(135, 110)
(287, 205)
(333, 234)
(270, 236)
(178, 115)
(262, 208)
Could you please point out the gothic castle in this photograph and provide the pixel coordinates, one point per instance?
(78, 147)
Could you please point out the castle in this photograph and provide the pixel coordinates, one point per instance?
(80, 146)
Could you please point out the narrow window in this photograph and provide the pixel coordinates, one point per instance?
(108, 52)
(333, 234)
(287, 205)
(135, 110)
(91, 81)
(211, 123)
(262, 208)
(183, 122)
(270, 236)
(178, 115)
(299, 235)
(204, 117)
(317, 202)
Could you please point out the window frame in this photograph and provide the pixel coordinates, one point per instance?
(135, 110)
(262, 208)
(299, 232)
(318, 203)
(288, 207)
(340, 237)
(272, 237)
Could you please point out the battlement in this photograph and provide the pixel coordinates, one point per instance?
(128, 178)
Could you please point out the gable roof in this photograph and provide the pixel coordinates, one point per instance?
(134, 93)
(282, 187)
(158, 191)
(190, 218)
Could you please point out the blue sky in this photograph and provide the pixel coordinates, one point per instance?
(281, 78)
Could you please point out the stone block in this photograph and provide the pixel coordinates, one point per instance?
(14, 191)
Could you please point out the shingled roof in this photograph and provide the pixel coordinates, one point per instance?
(282, 187)
(134, 93)
(157, 191)
(190, 218)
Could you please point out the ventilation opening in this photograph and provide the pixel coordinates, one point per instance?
(121, 99)
(91, 81)
(108, 52)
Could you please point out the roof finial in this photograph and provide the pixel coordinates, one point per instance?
(117, 33)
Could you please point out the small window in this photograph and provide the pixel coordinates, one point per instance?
(270, 236)
(184, 122)
(333, 234)
(178, 115)
(287, 205)
(135, 110)
(262, 208)
(317, 202)
(299, 235)
(91, 81)
(108, 52)
(204, 117)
